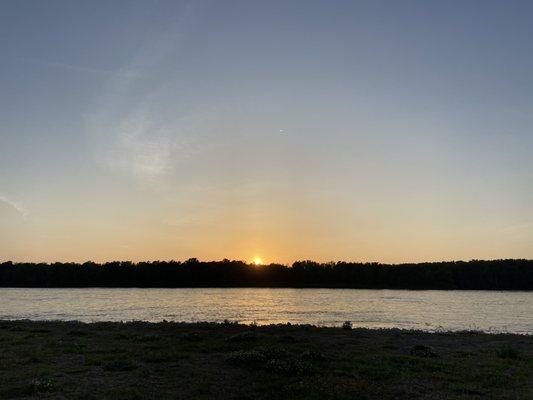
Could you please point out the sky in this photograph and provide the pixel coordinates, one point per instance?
(389, 131)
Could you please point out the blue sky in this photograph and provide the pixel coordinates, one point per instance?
(387, 131)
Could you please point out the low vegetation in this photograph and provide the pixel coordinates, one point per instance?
(137, 360)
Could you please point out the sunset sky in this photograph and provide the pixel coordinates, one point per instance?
(328, 130)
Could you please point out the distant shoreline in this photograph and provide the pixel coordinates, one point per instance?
(500, 275)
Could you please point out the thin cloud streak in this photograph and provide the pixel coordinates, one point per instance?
(23, 211)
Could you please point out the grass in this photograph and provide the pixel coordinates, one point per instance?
(52, 360)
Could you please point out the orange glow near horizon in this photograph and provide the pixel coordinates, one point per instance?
(257, 261)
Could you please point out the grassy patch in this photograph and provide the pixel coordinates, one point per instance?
(232, 361)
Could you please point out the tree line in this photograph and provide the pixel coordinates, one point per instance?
(475, 274)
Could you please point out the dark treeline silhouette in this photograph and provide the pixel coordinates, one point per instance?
(475, 274)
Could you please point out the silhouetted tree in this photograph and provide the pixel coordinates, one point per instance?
(475, 274)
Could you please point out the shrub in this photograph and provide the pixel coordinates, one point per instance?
(247, 357)
(276, 360)
(42, 385)
(347, 325)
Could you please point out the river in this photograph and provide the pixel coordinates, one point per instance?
(427, 310)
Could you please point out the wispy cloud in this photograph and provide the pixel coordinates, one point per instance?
(19, 207)
(142, 148)
(131, 131)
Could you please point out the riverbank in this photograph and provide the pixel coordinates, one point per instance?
(58, 360)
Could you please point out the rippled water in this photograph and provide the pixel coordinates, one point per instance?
(426, 310)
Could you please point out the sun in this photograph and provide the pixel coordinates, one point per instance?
(257, 261)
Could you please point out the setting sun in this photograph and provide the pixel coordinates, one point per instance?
(257, 261)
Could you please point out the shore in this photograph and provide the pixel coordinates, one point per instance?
(137, 360)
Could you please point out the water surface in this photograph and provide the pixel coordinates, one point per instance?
(426, 310)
